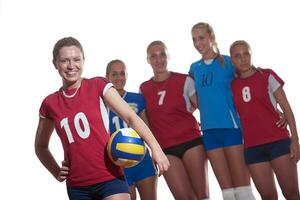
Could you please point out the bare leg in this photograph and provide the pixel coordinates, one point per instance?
(220, 167)
(195, 162)
(286, 173)
(132, 192)
(237, 166)
(263, 178)
(148, 188)
(178, 181)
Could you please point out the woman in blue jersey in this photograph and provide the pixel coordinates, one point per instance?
(220, 124)
(142, 176)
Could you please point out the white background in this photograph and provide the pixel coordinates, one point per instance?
(119, 29)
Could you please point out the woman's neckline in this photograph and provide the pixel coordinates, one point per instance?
(66, 91)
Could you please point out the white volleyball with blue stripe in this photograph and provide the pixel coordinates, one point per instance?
(126, 148)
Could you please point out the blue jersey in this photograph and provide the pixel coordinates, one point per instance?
(135, 101)
(214, 93)
(146, 167)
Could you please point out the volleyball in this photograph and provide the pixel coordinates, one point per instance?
(125, 147)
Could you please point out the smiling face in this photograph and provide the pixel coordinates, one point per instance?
(157, 58)
(69, 63)
(240, 53)
(203, 41)
(117, 75)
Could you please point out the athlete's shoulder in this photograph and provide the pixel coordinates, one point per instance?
(226, 57)
(132, 97)
(49, 102)
(265, 70)
(98, 82)
(235, 82)
(51, 96)
(97, 79)
(134, 94)
(146, 83)
(178, 78)
(227, 60)
(269, 73)
(178, 74)
(195, 64)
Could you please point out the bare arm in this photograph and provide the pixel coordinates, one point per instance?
(282, 121)
(42, 138)
(116, 103)
(190, 92)
(288, 114)
(194, 101)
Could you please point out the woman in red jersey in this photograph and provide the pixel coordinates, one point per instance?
(269, 149)
(78, 114)
(170, 102)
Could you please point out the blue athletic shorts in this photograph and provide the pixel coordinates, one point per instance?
(267, 152)
(140, 171)
(98, 191)
(222, 137)
(179, 149)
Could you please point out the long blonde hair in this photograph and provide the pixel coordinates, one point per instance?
(211, 33)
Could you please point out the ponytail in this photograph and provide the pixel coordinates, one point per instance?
(219, 56)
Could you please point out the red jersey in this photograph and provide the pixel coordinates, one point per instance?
(256, 106)
(80, 119)
(169, 109)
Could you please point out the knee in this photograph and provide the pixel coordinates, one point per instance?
(202, 194)
(188, 197)
(185, 197)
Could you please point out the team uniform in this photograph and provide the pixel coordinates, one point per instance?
(219, 120)
(257, 108)
(146, 167)
(169, 112)
(81, 122)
